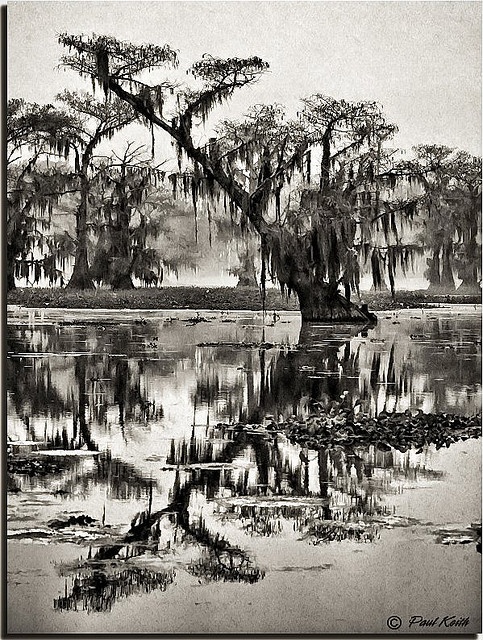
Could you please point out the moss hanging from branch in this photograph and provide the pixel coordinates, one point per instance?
(308, 158)
(391, 269)
(102, 64)
(263, 274)
(195, 207)
(255, 160)
(376, 268)
(209, 226)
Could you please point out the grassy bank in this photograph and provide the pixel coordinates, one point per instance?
(221, 298)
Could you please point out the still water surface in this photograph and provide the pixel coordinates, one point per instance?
(135, 504)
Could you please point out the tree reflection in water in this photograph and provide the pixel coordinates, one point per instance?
(228, 482)
(96, 586)
(347, 502)
(220, 561)
(383, 373)
(98, 590)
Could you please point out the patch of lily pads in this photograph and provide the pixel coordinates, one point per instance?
(244, 345)
(31, 466)
(456, 536)
(406, 430)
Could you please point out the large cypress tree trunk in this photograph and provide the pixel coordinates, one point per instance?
(382, 287)
(440, 271)
(120, 264)
(468, 269)
(120, 277)
(122, 281)
(433, 271)
(470, 284)
(10, 266)
(80, 278)
(447, 279)
(309, 262)
(322, 302)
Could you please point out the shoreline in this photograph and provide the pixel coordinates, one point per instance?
(212, 298)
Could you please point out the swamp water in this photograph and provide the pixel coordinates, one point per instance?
(138, 503)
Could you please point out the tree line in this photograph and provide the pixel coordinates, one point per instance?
(318, 199)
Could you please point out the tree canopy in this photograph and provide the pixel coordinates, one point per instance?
(36, 135)
(322, 189)
(254, 161)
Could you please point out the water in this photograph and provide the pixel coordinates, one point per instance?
(136, 503)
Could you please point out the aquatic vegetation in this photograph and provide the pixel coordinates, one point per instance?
(454, 535)
(196, 464)
(242, 345)
(82, 520)
(342, 428)
(326, 531)
(401, 431)
(31, 466)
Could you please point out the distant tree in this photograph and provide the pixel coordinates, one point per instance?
(127, 221)
(246, 271)
(466, 170)
(36, 134)
(175, 242)
(99, 120)
(446, 188)
(245, 243)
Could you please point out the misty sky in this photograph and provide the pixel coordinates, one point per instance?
(420, 60)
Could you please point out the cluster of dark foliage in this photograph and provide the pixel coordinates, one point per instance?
(469, 535)
(401, 431)
(62, 523)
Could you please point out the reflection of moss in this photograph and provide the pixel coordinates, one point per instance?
(13, 485)
(97, 590)
(95, 587)
(264, 525)
(318, 523)
(221, 561)
(355, 526)
(332, 531)
(229, 565)
(122, 479)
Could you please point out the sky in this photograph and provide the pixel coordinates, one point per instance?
(420, 60)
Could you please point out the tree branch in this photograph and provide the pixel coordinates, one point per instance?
(237, 193)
